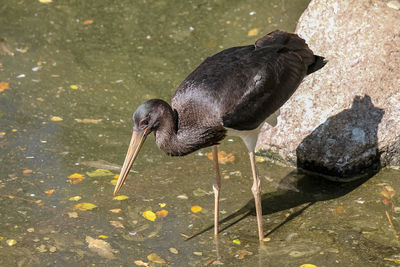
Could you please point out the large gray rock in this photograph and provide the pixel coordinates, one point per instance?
(344, 120)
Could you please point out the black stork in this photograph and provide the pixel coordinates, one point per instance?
(230, 93)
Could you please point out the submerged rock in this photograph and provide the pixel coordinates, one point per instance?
(344, 120)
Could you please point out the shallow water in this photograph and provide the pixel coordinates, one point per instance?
(66, 66)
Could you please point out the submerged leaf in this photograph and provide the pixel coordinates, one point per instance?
(153, 257)
(85, 206)
(223, 157)
(253, 32)
(49, 192)
(101, 247)
(117, 224)
(100, 172)
(149, 215)
(11, 242)
(141, 263)
(162, 213)
(4, 86)
(115, 210)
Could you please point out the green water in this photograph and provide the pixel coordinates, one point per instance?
(101, 70)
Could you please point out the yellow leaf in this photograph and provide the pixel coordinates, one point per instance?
(49, 192)
(14, 130)
(94, 121)
(260, 159)
(141, 263)
(103, 236)
(253, 32)
(121, 197)
(11, 242)
(76, 176)
(56, 118)
(72, 214)
(1, 238)
(308, 265)
(149, 215)
(73, 86)
(27, 171)
(85, 206)
(196, 209)
(45, 1)
(153, 257)
(162, 213)
(162, 205)
(113, 182)
(4, 86)
(75, 198)
(115, 210)
(236, 241)
(116, 176)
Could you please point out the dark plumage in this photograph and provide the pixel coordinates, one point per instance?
(234, 91)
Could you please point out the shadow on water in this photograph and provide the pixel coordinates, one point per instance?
(345, 146)
(348, 144)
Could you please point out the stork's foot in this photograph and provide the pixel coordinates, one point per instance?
(256, 189)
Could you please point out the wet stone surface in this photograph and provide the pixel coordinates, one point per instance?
(71, 75)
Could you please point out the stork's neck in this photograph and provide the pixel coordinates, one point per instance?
(176, 140)
(166, 135)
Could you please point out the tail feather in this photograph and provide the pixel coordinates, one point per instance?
(319, 62)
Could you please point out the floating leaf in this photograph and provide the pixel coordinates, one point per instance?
(162, 213)
(117, 224)
(223, 157)
(11, 242)
(236, 241)
(101, 247)
(116, 176)
(162, 205)
(74, 87)
(173, 250)
(196, 209)
(56, 118)
(87, 22)
(27, 171)
(113, 182)
(393, 260)
(75, 198)
(141, 263)
(52, 249)
(85, 206)
(103, 236)
(121, 197)
(308, 265)
(99, 173)
(45, 1)
(49, 192)
(30, 230)
(76, 176)
(4, 86)
(153, 257)
(115, 210)
(253, 32)
(260, 159)
(149, 215)
(184, 196)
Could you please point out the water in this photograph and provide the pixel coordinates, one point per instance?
(66, 66)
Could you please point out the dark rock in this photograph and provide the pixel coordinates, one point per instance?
(344, 120)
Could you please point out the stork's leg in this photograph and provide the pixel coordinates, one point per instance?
(216, 188)
(256, 189)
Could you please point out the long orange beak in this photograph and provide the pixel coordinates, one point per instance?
(136, 143)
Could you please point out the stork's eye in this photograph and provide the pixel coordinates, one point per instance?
(144, 122)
